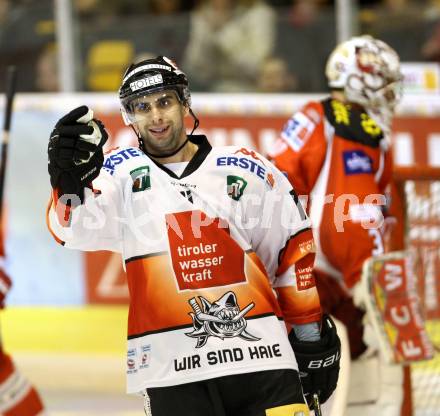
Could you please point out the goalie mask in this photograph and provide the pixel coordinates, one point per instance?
(367, 70)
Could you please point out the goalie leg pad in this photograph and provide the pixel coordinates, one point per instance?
(376, 388)
(337, 403)
(388, 291)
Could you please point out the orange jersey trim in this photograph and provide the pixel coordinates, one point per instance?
(151, 281)
(52, 232)
(298, 246)
(299, 307)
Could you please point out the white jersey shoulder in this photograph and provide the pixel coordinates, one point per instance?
(123, 159)
(246, 162)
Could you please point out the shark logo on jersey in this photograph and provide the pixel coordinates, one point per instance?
(235, 187)
(141, 179)
(222, 319)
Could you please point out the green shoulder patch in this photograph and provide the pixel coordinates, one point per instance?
(141, 179)
(235, 186)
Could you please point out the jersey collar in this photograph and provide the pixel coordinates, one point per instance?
(202, 152)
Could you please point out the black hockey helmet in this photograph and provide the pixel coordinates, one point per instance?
(149, 76)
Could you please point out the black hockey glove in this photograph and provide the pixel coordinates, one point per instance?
(75, 151)
(318, 362)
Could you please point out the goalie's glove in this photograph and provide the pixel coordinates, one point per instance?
(75, 152)
(318, 362)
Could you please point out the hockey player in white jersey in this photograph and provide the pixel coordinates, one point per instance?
(217, 250)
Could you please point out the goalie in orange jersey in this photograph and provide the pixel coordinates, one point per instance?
(17, 396)
(336, 152)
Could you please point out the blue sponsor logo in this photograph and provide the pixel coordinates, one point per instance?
(113, 160)
(243, 163)
(145, 356)
(131, 361)
(356, 161)
(298, 130)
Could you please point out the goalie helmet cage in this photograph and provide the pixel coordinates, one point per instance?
(416, 200)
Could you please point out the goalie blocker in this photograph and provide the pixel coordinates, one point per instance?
(318, 362)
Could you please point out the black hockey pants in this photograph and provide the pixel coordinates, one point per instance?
(264, 393)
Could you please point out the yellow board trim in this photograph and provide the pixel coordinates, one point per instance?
(298, 409)
(80, 330)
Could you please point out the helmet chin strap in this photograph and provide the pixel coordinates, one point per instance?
(163, 156)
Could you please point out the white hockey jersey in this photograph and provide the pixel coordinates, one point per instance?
(217, 261)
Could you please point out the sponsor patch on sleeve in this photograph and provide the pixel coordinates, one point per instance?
(304, 277)
(296, 248)
(357, 162)
(297, 131)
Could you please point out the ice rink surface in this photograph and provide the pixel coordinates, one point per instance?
(74, 356)
(80, 385)
(77, 360)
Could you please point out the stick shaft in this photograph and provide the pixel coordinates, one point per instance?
(10, 92)
(316, 405)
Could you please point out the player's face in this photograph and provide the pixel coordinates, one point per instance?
(159, 119)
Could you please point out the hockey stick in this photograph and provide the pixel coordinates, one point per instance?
(316, 405)
(5, 281)
(10, 92)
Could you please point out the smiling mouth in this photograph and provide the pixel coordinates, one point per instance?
(159, 131)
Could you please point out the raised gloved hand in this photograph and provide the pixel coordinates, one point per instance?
(318, 362)
(75, 152)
